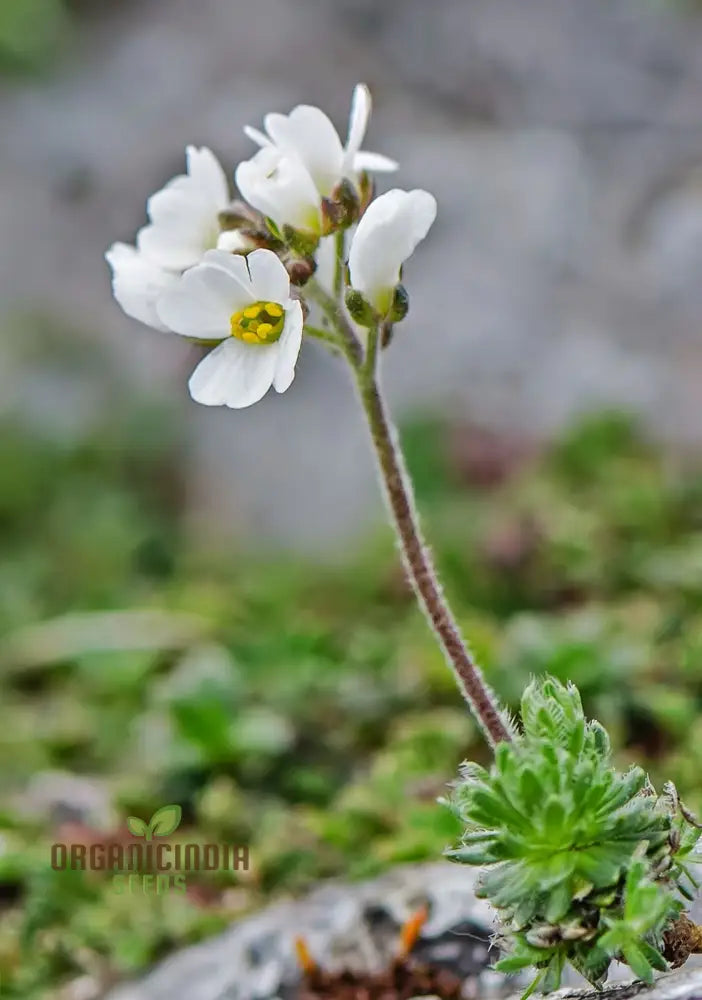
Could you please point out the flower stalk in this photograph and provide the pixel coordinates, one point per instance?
(419, 564)
(399, 497)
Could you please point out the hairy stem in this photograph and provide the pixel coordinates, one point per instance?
(348, 340)
(419, 563)
(399, 495)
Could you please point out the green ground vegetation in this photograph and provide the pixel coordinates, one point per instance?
(304, 709)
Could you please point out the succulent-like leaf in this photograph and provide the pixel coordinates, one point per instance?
(584, 864)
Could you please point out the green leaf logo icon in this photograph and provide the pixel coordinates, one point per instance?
(163, 823)
(137, 827)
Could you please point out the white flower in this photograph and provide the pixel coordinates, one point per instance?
(281, 188)
(387, 235)
(302, 160)
(245, 303)
(184, 223)
(137, 283)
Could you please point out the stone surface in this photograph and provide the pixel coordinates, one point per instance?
(356, 926)
(345, 926)
(685, 984)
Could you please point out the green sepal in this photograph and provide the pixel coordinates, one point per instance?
(359, 310)
(304, 244)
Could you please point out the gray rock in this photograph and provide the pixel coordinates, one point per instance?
(345, 926)
(685, 984)
(56, 797)
(356, 926)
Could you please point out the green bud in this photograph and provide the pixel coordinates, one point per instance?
(400, 304)
(360, 311)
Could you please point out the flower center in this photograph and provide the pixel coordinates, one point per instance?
(259, 323)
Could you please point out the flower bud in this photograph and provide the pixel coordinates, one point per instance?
(385, 238)
(342, 208)
(400, 304)
(301, 270)
(361, 312)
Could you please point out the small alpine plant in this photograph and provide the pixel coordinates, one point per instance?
(584, 864)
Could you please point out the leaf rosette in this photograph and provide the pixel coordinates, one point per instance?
(584, 863)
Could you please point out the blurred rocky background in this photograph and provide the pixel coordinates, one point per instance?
(563, 139)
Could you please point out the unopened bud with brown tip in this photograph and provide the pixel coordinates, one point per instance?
(300, 270)
(346, 197)
(342, 208)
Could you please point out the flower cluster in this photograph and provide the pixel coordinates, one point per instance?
(584, 864)
(236, 274)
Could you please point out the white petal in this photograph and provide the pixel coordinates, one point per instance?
(358, 120)
(277, 127)
(308, 134)
(234, 374)
(183, 214)
(203, 300)
(387, 235)
(138, 283)
(269, 279)
(317, 143)
(182, 227)
(258, 137)
(235, 266)
(289, 347)
(174, 248)
(232, 241)
(252, 179)
(375, 162)
(280, 187)
(207, 176)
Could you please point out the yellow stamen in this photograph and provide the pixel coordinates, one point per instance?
(259, 323)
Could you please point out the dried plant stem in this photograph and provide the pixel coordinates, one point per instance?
(419, 564)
